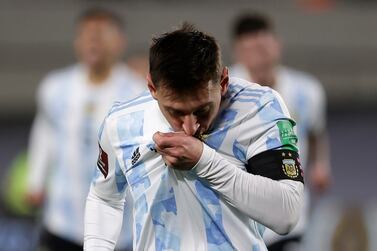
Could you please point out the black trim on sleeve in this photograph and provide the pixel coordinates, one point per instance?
(276, 165)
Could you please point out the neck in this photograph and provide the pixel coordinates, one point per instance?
(270, 81)
(266, 79)
(99, 75)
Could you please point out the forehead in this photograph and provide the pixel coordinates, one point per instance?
(96, 23)
(256, 37)
(182, 100)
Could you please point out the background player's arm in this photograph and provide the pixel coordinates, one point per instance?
(319, 161)
(105, 202)
(41, 148)
(319, 149)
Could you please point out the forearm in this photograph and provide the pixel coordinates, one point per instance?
(40, 150)
(103, 221)
(275, 204)
(319, 150)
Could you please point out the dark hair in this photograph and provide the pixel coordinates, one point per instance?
(184, 59)
(101, 13)
(251, 23)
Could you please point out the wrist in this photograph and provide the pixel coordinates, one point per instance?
(205, 159)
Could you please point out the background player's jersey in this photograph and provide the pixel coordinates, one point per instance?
(174, 210)
(63, 146)
(306, 101)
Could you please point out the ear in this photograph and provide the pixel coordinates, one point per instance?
(152, 88)
(224, 82)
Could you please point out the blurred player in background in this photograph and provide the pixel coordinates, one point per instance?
(208, 158)
(257, 53)
(72, 103)
(139, 63)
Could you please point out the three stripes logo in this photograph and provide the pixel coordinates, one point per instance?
(135, 156)
(103, 162)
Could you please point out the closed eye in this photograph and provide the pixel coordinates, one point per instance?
(176, 113)
(202, 112)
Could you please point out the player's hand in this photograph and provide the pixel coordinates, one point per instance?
(320, 177)
(35, 199)
(178, 150)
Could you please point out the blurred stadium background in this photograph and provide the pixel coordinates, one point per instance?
(334, 40)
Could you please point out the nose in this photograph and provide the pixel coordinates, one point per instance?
(190, 124)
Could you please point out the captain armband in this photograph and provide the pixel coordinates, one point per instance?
(276, 165)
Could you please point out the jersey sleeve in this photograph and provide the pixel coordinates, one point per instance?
(273, 203)
(109, 181)
(41, 139)
(271, 127)
(105, 202)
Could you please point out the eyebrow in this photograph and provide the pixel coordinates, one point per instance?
(198, 108)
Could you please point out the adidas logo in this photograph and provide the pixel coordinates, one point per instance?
(135, 156)
(151, 148)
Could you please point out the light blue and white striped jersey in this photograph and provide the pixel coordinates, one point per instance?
(306, 100)
(63, 144)
(173, 209)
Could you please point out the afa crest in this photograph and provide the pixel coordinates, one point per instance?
(290, 169)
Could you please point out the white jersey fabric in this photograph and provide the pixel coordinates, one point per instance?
(177, 210)
(63, 145)
(306, 102)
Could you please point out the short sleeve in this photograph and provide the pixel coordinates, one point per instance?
(271, 127)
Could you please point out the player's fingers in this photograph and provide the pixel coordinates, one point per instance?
(172, 134)
(160, 140)
(160, 150)
(171, 161)
(156, 137)
(171, 151)
(165, 140)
